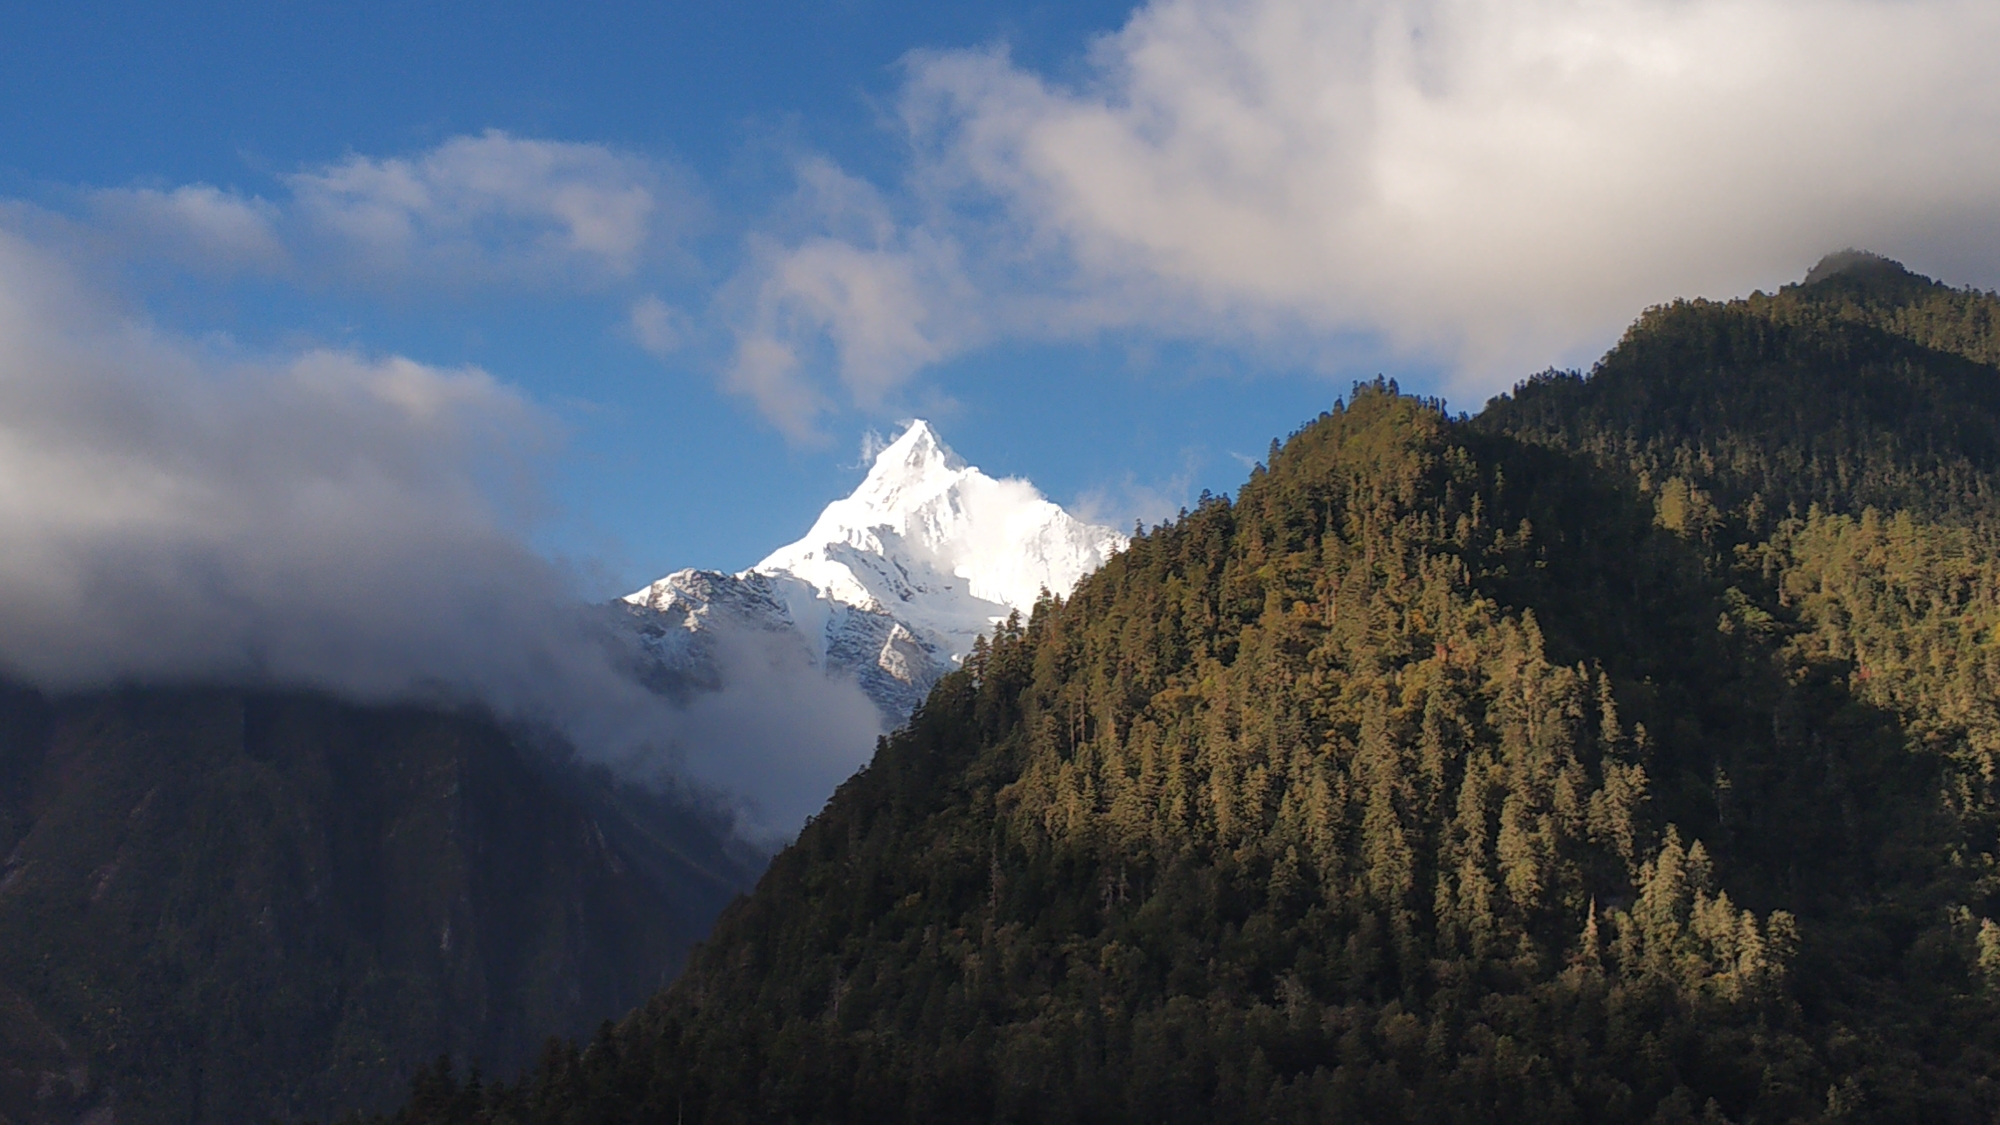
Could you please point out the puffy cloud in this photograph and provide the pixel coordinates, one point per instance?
(883, 312)
(492, 205)
(1496, 180)
(1491, 185)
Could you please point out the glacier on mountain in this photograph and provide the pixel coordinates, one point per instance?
(891, 585)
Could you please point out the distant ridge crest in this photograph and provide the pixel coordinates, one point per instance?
(1856, 263)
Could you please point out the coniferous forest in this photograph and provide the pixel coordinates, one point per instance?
(1626, 752)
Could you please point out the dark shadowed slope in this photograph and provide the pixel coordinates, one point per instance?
(228, 906)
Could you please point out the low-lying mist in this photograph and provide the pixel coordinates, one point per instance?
(173, 511)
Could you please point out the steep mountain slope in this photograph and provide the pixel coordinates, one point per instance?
(1623, 754)
(225, 906)
(892, 584)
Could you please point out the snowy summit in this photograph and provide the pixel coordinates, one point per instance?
(893, 582)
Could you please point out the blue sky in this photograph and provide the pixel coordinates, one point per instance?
(1114, 250)
(659, 467)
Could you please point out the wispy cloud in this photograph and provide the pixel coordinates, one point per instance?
(493, 205)
(779, 734)
(1133, 501)
(872, 445)
(197, 225)
(660, 328)
(491, 209)
(767, 370)
(859, 298)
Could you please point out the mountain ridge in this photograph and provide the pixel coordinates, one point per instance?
(239, 904)
(1624, 753)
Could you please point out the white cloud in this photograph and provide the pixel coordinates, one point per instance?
(878, 305)
(870, 301)
(767, 371)
(1495, 182)
(659, 327)
(872, 445)
(490, 207)
(357, 524)
(197, 225)
(1494, 185)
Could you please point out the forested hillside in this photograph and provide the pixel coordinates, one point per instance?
(232, 906)
(1625, 753)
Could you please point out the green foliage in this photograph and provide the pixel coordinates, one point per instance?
(1608, 757)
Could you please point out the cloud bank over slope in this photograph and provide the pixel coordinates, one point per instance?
(171, 512)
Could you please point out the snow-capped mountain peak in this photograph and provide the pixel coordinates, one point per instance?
(894, 581)
(951, 532)
(909, 470)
